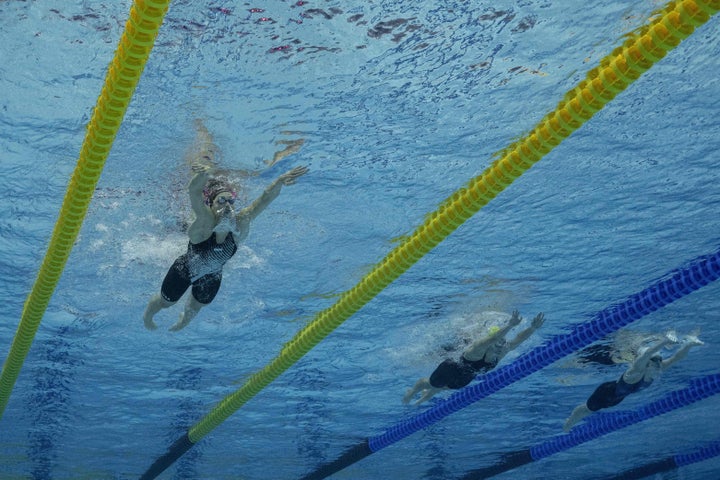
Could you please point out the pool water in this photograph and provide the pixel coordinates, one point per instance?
(393, 106)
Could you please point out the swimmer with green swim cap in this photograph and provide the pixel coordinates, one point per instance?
(482, 356)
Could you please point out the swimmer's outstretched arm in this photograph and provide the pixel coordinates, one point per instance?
(271, 193)
(195, 189)
(525, 334)
(636, 371)
(688, 342)
(477, 349)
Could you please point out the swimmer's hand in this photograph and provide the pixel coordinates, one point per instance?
(692, 340)
(290, 177)
(201, 167)
(515, 319)
(202, 172)
(538, 320)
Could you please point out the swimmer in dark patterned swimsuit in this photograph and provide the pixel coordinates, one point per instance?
(482, 356)
(214, 236)
(642, 372)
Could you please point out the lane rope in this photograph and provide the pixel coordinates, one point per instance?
(699, 454)
(123, 74)
(601, 424)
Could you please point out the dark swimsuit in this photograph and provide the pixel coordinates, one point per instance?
(457, 374)
(200, 267)
(610, 394)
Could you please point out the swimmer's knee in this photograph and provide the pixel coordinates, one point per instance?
(195, 304)
(164, 302)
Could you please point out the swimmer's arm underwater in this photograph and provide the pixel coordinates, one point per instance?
(271, 193)
(477, 350)
(195, 189)
(525, 334)
(636, 372)
(688, 342)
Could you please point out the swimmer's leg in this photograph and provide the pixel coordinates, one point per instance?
(157, 303)
(204, 151)
(192, 307)
(420, 385)
(291, 146)
(580, 412)
(425, 387)
(203, 292)
(429, 393)
(175, 283)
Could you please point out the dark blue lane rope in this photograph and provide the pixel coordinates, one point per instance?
(676, 284)
(710, 450)
(602, 424)
(705, 453)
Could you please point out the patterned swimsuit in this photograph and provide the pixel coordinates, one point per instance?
(201, 266)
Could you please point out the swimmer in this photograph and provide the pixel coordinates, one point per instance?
(639, 375)
(482, 356)
(214, 236)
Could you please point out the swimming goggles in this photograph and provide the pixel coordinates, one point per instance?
(224, 200)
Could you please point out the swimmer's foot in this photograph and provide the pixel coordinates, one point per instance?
(176, 327)
(578, 414)
(149, 324)
(182, 323)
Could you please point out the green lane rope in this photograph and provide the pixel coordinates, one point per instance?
(614, 74)
(123, 74)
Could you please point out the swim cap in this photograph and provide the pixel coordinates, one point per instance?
(215, 187)
(493, 330)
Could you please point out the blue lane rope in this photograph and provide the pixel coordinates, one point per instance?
(676, 284)
(602, 424)
(707, 452)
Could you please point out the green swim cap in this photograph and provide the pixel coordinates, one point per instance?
(493, 330)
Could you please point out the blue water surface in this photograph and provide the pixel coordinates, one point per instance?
(399, 104)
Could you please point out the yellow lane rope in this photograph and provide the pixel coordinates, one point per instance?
(615, 72)
(123, 74)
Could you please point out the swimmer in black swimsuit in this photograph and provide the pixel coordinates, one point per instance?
(641, 373)
(214, 236)
(482, 356)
